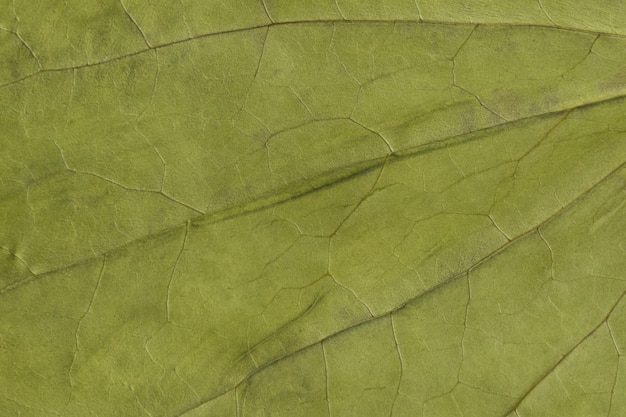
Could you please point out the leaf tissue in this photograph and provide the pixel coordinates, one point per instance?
(313, 208)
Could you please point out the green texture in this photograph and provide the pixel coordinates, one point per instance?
(313, 208)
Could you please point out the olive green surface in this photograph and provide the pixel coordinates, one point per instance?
(313, 208)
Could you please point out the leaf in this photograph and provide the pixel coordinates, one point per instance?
(313, 208)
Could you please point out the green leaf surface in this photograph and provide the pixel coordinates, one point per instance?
(313, 208)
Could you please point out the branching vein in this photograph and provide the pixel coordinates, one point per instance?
(132, 19)
(173, 271)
